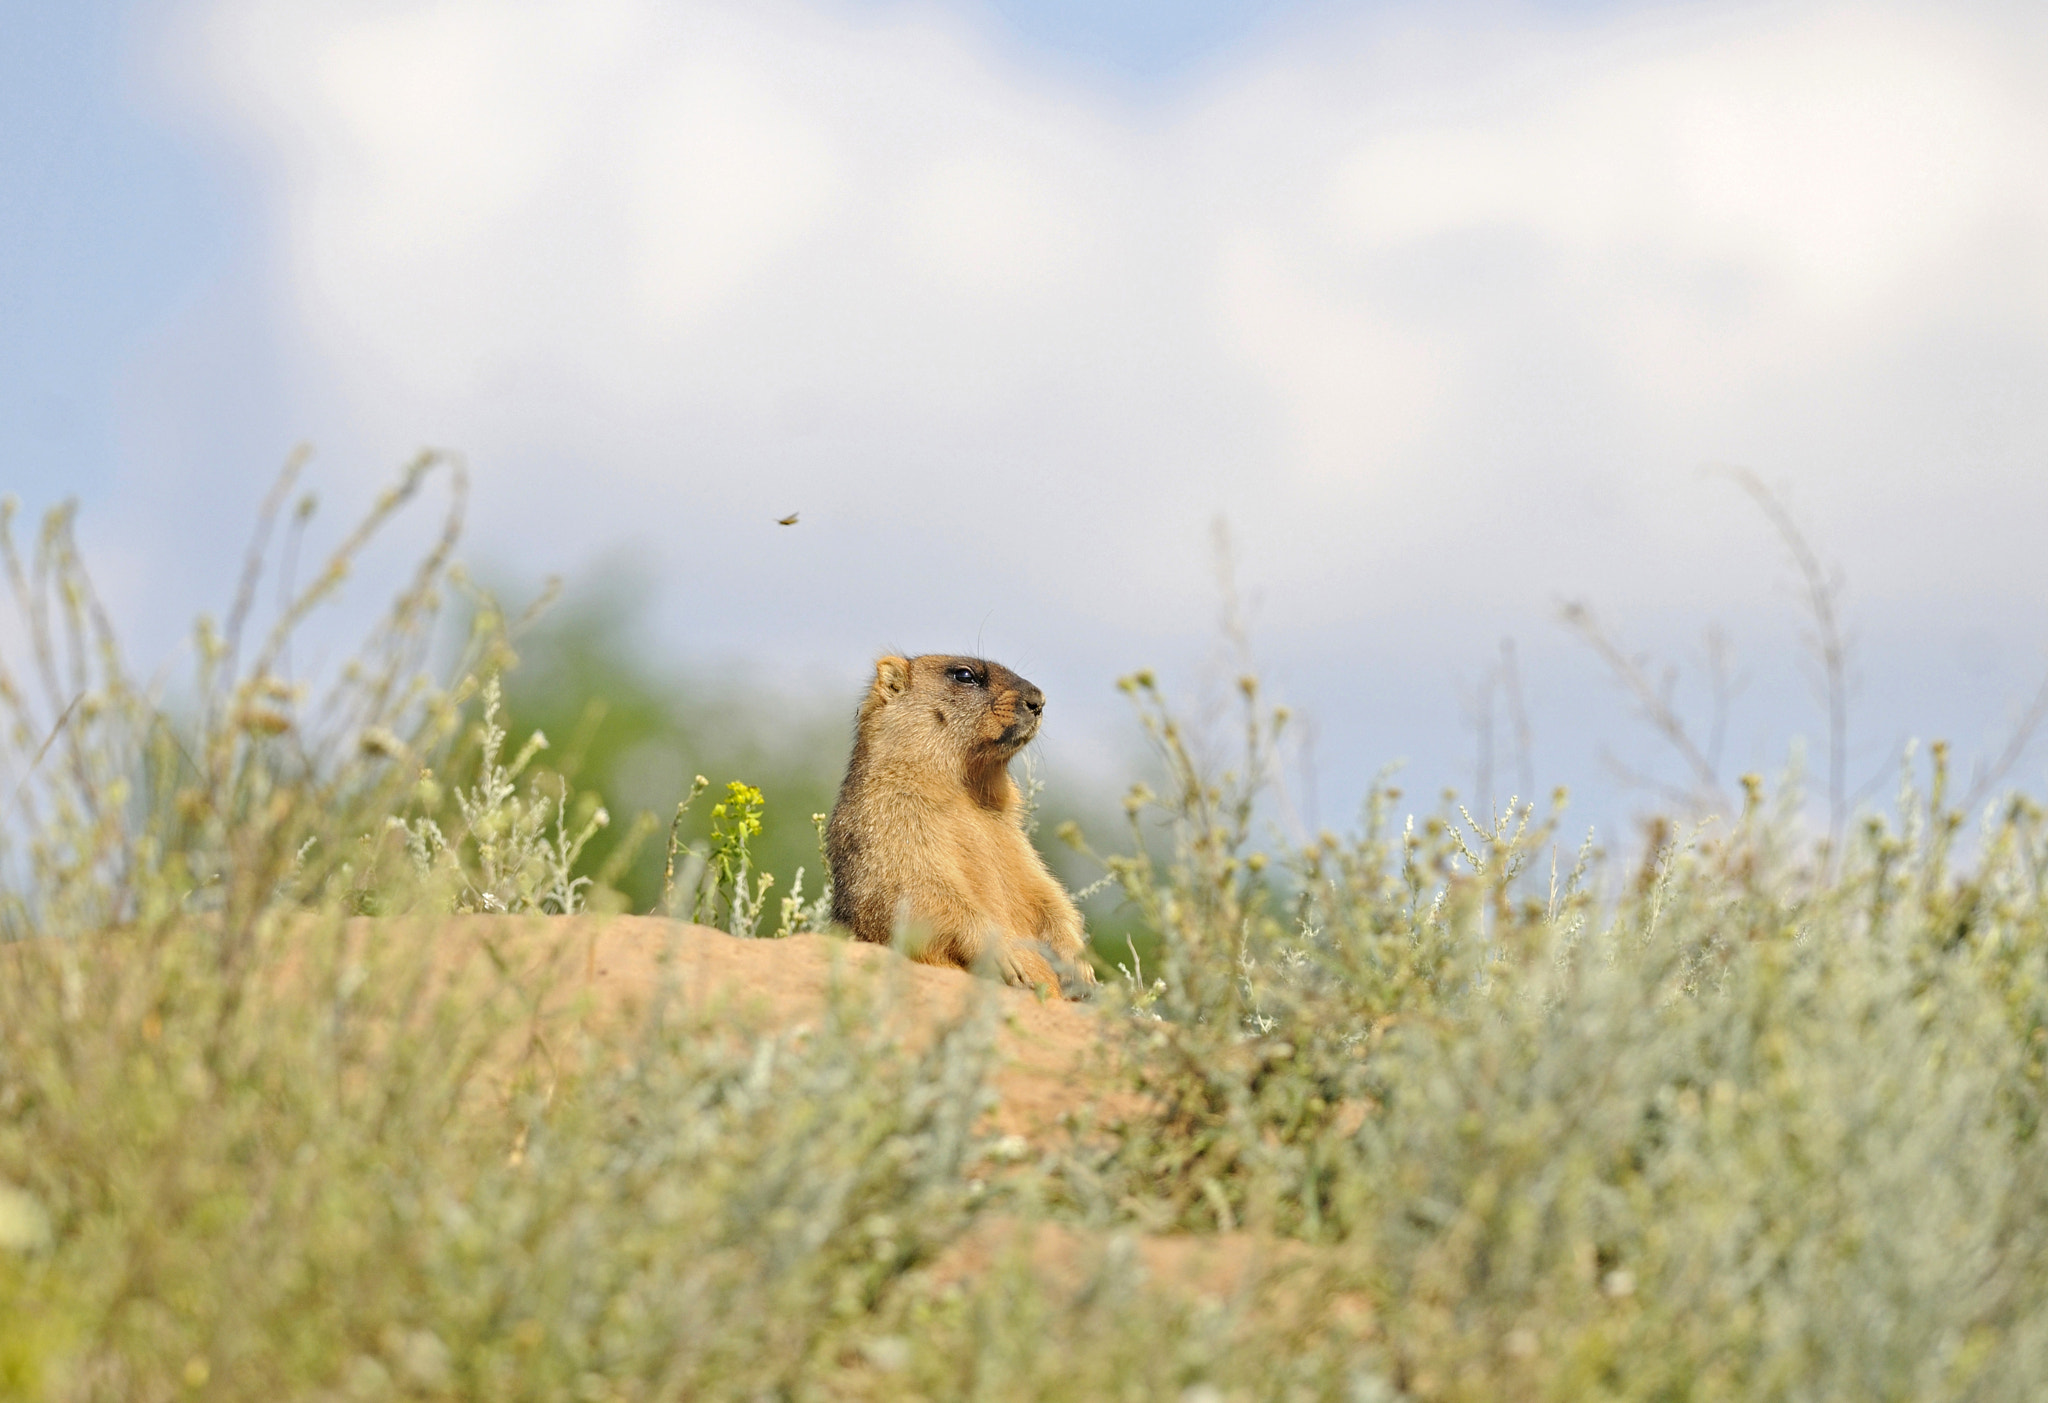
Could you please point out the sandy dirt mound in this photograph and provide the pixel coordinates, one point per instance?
(1055, 1056)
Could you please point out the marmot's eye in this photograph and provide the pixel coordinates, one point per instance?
(963, 675)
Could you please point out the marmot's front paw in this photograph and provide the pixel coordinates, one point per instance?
(1077, 974)
(1023, 966)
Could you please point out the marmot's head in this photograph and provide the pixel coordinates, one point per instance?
(970, 708)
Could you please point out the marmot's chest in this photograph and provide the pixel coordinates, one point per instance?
(987, 851)
(983, 835)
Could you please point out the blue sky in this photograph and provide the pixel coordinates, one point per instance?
(109, 223)
(1442, 308)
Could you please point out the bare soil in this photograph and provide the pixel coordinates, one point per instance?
(1055, 1056)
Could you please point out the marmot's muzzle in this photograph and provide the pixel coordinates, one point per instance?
(1025, 709)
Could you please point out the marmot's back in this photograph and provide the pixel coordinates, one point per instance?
(926, 836)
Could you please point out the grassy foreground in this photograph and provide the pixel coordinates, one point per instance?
(1758, 1121)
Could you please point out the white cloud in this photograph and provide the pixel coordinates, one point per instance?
(1736, 207)
(722, 174)
(1831, 153)
(1439, 308)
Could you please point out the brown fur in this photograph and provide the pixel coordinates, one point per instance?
(927, 835)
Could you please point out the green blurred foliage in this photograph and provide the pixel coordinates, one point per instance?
(634, 728)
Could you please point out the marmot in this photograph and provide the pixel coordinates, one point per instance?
(928, 832)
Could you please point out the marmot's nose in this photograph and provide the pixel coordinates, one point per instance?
(1034, 700)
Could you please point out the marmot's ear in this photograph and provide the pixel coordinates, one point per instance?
(892, 674)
